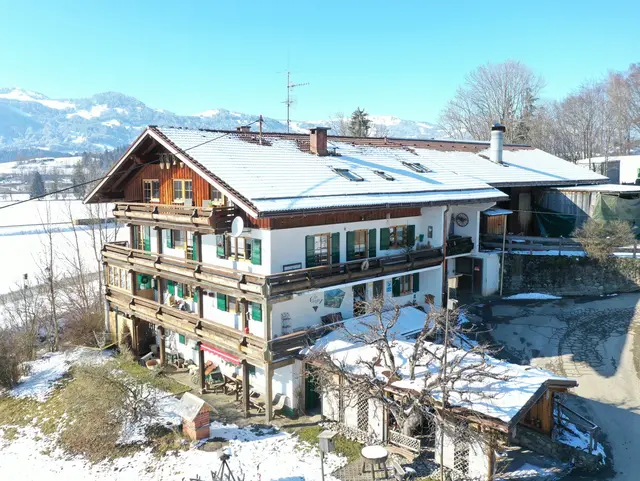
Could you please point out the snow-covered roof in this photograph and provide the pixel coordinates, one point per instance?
(281, 176)
(603, 188)
(525, 166)
(611, 158)
(190, 406)
(491, 397)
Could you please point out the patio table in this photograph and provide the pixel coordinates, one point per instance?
(374, 455)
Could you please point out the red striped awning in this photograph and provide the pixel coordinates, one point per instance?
(221, 354)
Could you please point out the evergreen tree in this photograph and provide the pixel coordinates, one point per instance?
(359, 125)
(37, 185)
(79, 177)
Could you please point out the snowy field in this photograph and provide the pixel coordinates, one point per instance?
(44, 165)
(22, 238)
(259, 454)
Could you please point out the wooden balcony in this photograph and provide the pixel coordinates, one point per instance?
(256, 286)
(214, 220)
(242, 345)
(457, 245)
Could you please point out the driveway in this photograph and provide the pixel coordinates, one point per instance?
(597, 342)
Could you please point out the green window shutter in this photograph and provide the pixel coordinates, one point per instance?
(169, 238)
(195, 248)
(256, 311)
(147, 238)
(195, 295)
(384, 238)
(222, 301)
(310, 249)
(335, 248)
(252, 370)
(256, 252)
(411, 235)
(180, 289)
(372, 242)
(220, 243)
(416, 282)
(181, 339)
(171, 287)
(395, 286)
(351, 238)
(377, 288)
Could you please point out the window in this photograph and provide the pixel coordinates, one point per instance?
(417, 167)
(384, 175)
(398, 236)
(178, 239)
(216, 196)
(322, 249)
(232, 304)
(403, 285)
(347, 174)
(357, 245)
(119, 278)
(182, 190)
(151, 190)
(241, 248)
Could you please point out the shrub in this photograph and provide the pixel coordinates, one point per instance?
(600, 238)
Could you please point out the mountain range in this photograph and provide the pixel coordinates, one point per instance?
(30, 120)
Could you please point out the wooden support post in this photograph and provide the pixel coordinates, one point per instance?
(635, 247)
(158, 240)
(198, 239)
(132, 236)
(201, 368)
(245, 388)
(134, 283)
(244, 315)
(135, 337)
(268, 392)
(560, 246)
(302, 402)
(200, 302)
(491, 458)
(162, 347)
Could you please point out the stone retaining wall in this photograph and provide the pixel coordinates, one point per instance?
(542, 444)
(570, 276)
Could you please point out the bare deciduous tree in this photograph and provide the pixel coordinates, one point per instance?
(505, 92)
(600, 238)
(339, 124)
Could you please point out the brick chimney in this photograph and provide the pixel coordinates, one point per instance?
(318, 140)
(244, 129)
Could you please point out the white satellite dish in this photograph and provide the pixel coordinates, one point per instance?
(237, 227)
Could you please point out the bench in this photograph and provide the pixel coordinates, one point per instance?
(405, 453)
(402, 474)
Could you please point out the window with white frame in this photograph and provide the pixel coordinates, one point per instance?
(182, 190)
(151, 190)
(217, 197)
(397, 236)
(241, 247)
(178, 238)
(119, 277)
(321, 251)
(360, 244)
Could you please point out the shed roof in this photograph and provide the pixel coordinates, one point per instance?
(602, 188)
(190, 406)
(503, 400)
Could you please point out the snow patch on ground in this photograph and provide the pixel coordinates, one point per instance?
(272, 456)
(532, 295)
(167, 414)
(572, 435)
(46, 371)
(526, 471)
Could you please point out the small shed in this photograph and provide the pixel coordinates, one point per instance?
(196, 416)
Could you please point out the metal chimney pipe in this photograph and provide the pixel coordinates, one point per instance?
(497, 141)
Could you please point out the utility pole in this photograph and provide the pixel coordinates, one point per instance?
(290, 87)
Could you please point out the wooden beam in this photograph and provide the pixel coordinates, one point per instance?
(283, 363)
(158, 240)
(201, 368)
(162, 347)
(245, 388)
(268, 392)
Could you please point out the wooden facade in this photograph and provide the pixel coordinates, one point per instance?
(133, 191)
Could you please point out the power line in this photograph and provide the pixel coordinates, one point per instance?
(105, 176)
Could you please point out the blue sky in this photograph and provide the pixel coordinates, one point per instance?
(392, 58)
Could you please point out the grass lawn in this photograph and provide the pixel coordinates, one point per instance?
(349, 449)
(159, 381)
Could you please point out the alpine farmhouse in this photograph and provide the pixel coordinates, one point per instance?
(243, 246)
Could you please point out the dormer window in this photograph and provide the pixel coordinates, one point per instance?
(347, 174)
(384, 175)
(417, 167)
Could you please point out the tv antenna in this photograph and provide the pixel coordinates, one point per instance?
(290, 87)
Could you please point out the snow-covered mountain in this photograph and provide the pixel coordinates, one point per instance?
(107, 120)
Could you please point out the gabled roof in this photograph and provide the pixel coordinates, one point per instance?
(502, 399)
(280, 176)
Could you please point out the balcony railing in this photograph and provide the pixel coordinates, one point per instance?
(215, 219)
(275, 284)
(457, 245)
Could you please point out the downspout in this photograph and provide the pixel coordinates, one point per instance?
(445, 277)
(504, 241)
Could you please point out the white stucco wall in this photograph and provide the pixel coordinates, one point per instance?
(209, 253)
(307, 309)
(478, 459)
(491, 272)
(473, 227)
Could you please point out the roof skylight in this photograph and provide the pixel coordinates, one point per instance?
(384, 175)
(347, 174)
(417, 167)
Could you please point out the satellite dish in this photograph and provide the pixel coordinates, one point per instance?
(237, 227)
(365, 265)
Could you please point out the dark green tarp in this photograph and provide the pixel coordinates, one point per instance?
(613, 207)
(552, 224)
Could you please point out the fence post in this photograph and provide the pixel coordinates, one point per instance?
(635, 247)
(560, 246)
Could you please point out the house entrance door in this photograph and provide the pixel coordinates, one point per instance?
(359, 299)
